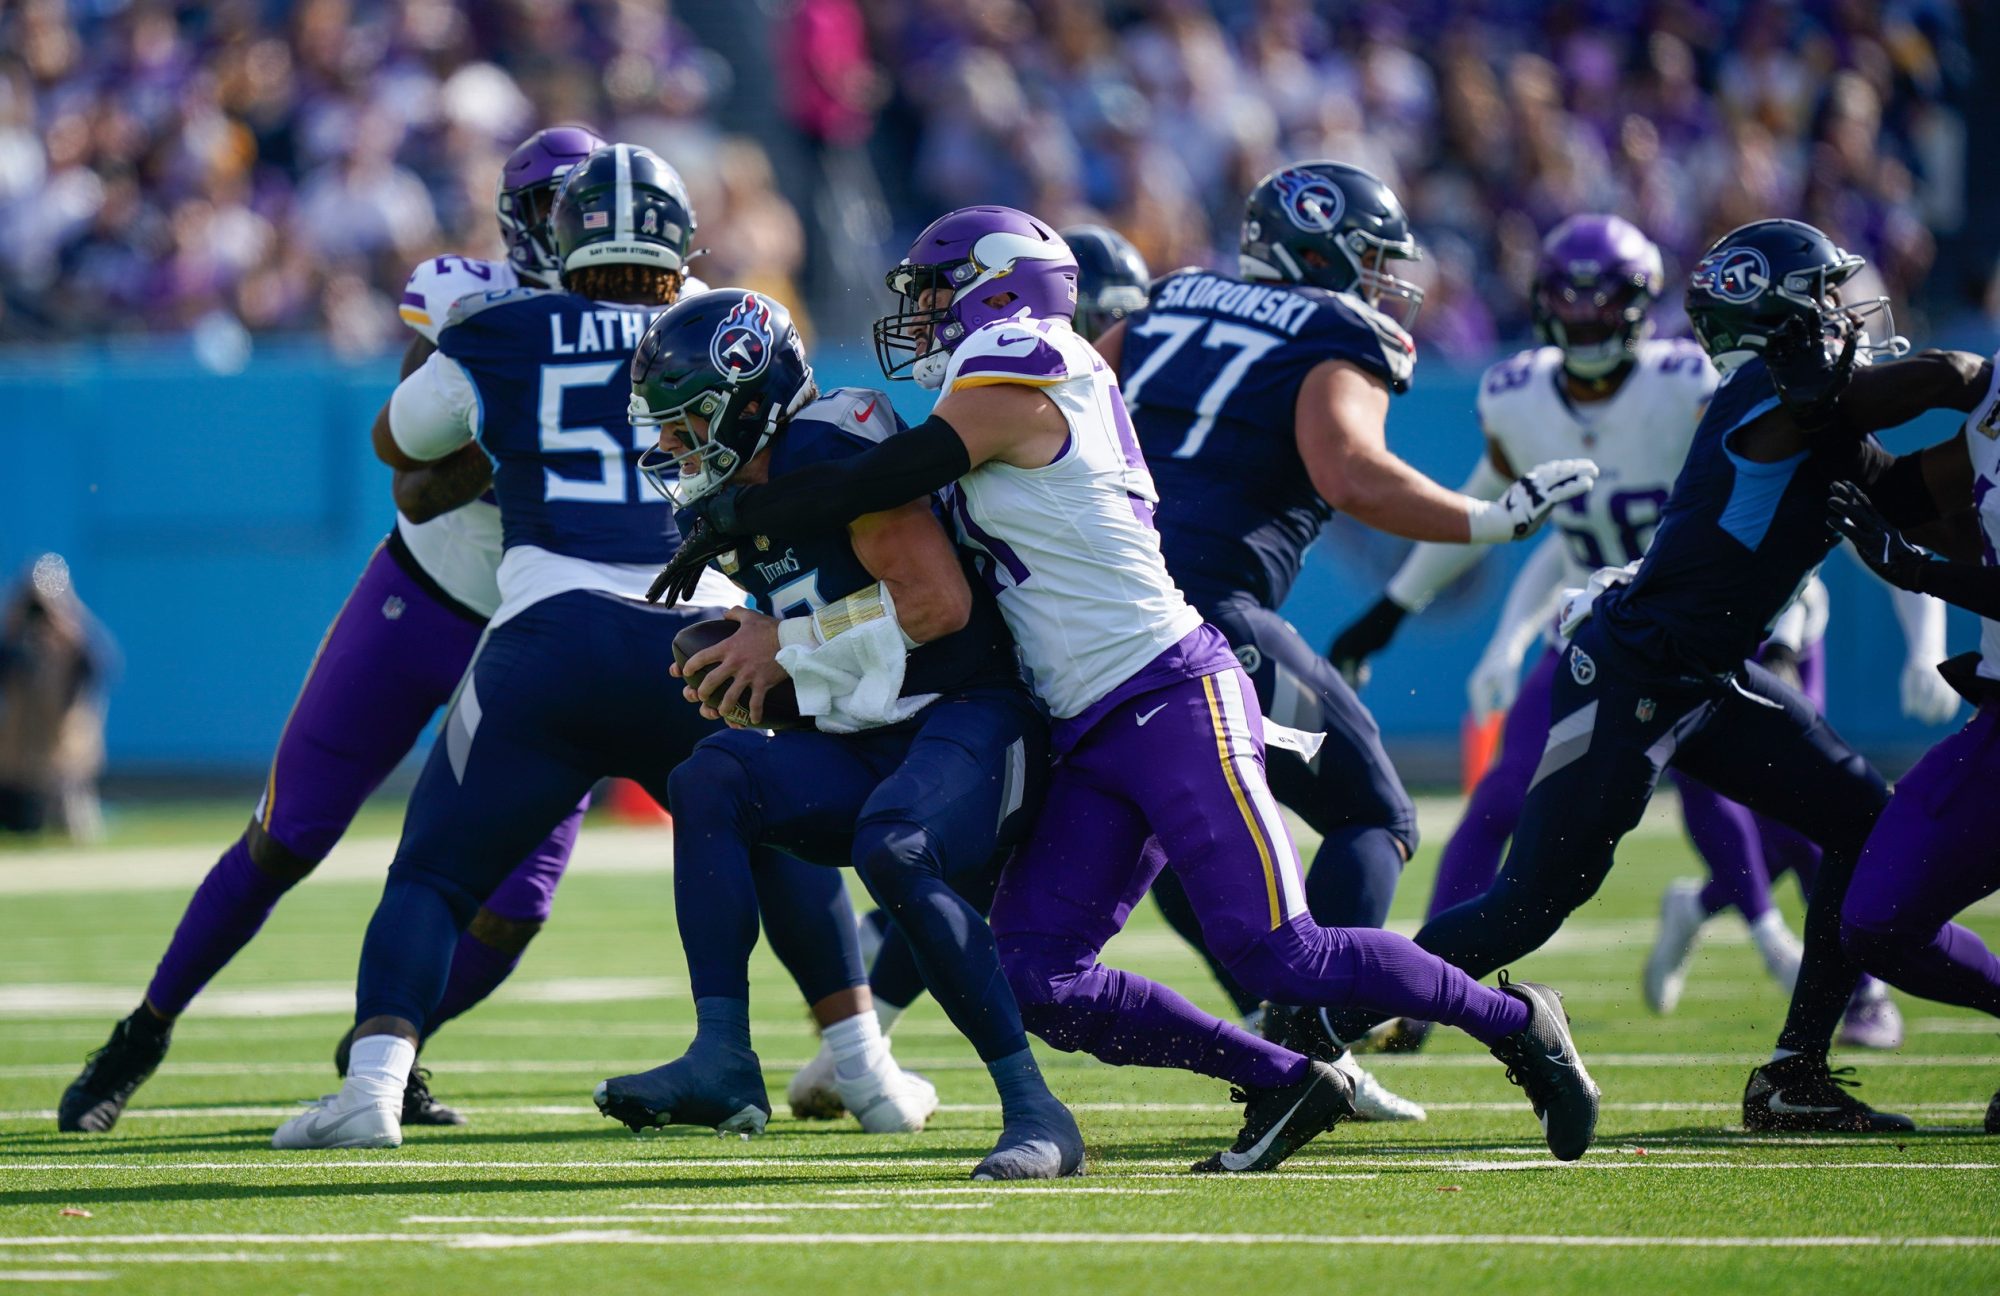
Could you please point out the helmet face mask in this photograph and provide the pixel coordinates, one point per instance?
(970, 268)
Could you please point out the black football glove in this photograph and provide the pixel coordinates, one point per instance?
(1365, 636)
(1808, 384)
(699, 547)
(1880, 545)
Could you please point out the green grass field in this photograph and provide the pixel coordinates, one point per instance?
(539, 1193)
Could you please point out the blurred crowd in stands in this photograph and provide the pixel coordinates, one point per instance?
(272, 167)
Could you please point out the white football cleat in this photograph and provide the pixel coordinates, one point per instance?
(341, 1121)
(1372, 1099)
(811, 1092)
(888, 1099)
(1781, 950)
(1681, 917)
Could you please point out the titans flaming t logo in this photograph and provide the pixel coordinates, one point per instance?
(1733, 274)
(741, 347)
(1313, 202)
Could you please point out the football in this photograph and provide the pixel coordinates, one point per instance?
(781, 704)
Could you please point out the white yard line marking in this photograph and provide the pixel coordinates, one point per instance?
(53, 1276)
(280, 1111)
(183, 1257)
(326, 997)
(573, 1237)
(1388, 1065)
(389, 1162)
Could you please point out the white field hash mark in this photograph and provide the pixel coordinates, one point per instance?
(693, 1166)
(634, 1237)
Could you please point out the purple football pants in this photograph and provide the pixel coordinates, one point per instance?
(1933, 852)
(1177, 755)
(1744, 851)
(392, 657)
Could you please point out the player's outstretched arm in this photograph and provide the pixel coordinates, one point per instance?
(1891, 394)
(1010, 422)
(1974, 587)
(1428, 568)
(908, 551)
(436, 489)
(1342, 416)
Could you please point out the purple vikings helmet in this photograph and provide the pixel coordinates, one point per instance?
(1594, 282)
(995, 262)
(528, 184)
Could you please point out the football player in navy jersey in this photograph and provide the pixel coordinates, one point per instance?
(919, 771)
(386, 665)
(1260, 402)
(1658, 669)
(570, 683)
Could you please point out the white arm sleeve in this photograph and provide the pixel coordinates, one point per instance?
(435, 410)
(1431, 567)
(1922, 619)
(1531, 603)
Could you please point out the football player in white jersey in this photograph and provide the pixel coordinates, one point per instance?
(1156, 727)
(1931, 853)
(392, 657)
(1601, 385)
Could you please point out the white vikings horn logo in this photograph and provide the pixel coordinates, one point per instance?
(741, 347)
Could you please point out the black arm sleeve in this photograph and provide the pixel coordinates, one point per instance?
(905, 467)
(1968, 585)
(1896, 484)
(1887, 395)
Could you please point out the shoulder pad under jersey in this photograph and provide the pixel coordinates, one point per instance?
(858, 411)
(1021, 350)
(1505, 377)
(466, 308)
(1389, 352)
(435, 285)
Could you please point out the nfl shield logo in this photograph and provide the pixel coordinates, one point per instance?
(1644, 710)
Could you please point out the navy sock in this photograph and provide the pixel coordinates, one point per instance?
(721, 1024)
(406, 955)
(1020, 1082)
(1353, 878)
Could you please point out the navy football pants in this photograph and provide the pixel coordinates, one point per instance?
(571, 690)
(914, 809)
(1616, 725)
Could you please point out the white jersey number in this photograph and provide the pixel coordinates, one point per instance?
(610, 485)
(1249, 344)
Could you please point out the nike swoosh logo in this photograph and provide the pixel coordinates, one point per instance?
(862, 417)
(321, 1129)
(1777, 1103)
(1150, 714)
(1236, 1161)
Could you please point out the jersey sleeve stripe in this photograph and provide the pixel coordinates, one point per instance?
(411, 315)
(994, 380)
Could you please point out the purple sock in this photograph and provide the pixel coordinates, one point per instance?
(1126, 1020)
(228, 907)
(477, 969)
(1367, 975)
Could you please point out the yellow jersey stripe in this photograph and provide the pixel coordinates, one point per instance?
(1243, 805)
(993, 380)
(411, 315)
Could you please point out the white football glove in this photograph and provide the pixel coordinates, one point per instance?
(1927, 699)
(1493, 686)
(1529, 501)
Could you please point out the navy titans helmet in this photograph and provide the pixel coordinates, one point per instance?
(1773, 286)
(1111, 278)
(1332, 226)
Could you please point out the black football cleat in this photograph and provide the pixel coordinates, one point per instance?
(96, 1099)
(1302, 1030)
(1542, 1059)
(420, 1107)
(1278, 1122)
(1993, 1114)
(1800, 1093)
